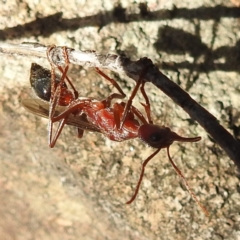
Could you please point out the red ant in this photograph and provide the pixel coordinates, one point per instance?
(119, 122)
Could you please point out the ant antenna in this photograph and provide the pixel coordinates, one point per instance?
(186, 184)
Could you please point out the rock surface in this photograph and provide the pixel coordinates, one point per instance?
(78, 189)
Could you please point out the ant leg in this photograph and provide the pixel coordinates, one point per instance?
(141, 175)
(129, 102)
(186, 184)
(75, 92)
(137, 112)
(121, 94)
(107, 101)
(118, 109)
(56, 96)
(147, 106)
(52, 142)
(52, 107)
(139, 115)
(55, 90)
(62, 70)
(61, 124)
(77, 105)
(62, 117)
(53, 76)
(112, 81)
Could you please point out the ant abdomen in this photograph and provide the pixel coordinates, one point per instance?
(39, 80)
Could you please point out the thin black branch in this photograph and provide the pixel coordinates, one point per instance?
(133, 69)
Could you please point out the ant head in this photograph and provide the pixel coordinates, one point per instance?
(161, 137)
(156, 136)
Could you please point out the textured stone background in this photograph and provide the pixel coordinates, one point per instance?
(78, 189)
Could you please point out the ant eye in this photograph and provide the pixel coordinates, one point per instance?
(155, 137)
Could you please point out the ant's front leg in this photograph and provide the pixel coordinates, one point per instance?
(140, 84)
(130, 100)
(147, 106)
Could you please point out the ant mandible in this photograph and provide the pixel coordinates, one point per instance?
(119, 122)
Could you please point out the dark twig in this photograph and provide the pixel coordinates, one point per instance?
(133, 69)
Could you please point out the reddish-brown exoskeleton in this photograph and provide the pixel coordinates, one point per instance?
(118, 121)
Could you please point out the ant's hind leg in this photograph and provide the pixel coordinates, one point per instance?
(64, 72)
(52, 141)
